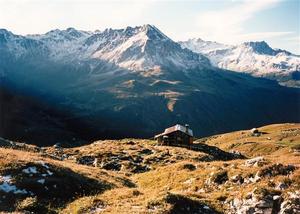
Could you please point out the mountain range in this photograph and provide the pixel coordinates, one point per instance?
(70, 85)
(255, 58)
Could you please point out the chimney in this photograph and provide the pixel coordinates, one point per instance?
(186, 128)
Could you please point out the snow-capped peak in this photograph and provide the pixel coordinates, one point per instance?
(256, 58)
(199, 45)
(144, 48)
(262, 47)
(140, 48)
(61, 36)
(153, 33)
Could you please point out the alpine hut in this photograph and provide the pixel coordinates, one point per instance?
(177, 134)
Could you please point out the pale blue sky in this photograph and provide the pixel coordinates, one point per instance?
(227, 21)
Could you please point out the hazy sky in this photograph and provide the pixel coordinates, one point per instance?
(227, 21)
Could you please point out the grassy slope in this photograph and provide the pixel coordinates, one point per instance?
(153, 187)
(170, 184)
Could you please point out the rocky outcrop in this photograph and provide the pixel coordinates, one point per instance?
(258, 201)
(291, 204)
(258, 161)
(265, 201)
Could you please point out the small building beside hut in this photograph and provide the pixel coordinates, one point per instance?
(177, 134)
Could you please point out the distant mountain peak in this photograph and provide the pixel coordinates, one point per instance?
(260, 47)
(153, 32)
(254, 57)
(257, 44)
(149, 31)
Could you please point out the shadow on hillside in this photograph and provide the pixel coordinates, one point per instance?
(48, 187)
(213, 151)
(183, 204)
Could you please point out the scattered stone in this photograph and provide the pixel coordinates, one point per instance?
(112, 165)
(138, 168)
(138, 159)
(237, 179)
(282, 186)
(64, 156)
(85, 160)
(259, 201)
(95, 163)
(276, 169)
(258, 161)
(98, 207)
(189, 181)
(292, 204)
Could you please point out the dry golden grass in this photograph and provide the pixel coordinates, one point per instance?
(66, 174)
(173, 174)
(278, 138)
(153, 186)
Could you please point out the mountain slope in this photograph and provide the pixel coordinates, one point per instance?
(26, 118)
(135, 82)
(255, 58)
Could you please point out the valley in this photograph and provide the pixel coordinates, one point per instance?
(82, 82)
